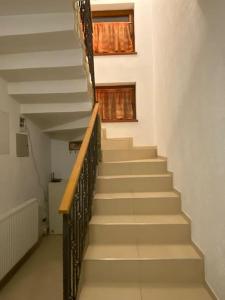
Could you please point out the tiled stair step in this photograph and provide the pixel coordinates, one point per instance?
(131, 229)
(145, 264)
(137, 203)
(135, 167)
(116, 291)
(117, 143)
(129, 154)
(134, 183)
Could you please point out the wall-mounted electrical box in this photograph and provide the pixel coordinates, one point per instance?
(22, 124)
(22, 146)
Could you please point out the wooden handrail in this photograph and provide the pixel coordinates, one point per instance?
(67, 199)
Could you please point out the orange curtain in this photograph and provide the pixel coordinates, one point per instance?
(116, 104)
(112, 37)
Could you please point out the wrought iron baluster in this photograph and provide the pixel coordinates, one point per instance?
(75, 223)
(76, 242)
(67, 292)
(85, 12)
(86, 178)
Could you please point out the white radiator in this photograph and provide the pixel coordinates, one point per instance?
(18, 233)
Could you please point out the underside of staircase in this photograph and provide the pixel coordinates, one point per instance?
(139, 241)
(43, 62)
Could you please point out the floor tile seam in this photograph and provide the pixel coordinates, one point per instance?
(140, 280)
(141, 289)
(139, 270)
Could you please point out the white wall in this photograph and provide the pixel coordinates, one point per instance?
(129, 69)
(189, 95)
(62, 160)
(19, 181)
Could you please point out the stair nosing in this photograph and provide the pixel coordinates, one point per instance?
(136, 195)
(150, 160)
(143, 259)
(167, 174)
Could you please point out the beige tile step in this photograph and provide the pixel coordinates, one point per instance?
(134, 183)
(160, 265)
(135, 167)
(129, 154)
(137, 203)
(175, 292)
(146, 292)
(188, 270)
(131, 229)
(141, 251)
(110, 291)
(116, 143)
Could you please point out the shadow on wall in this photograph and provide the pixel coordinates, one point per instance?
(190, 106)
(203, 118)
(209, 6)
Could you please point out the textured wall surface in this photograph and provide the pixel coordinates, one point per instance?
(62, 160)
(22, 178)
(189, 105)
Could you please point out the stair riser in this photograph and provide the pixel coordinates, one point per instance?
(137, 206)
(124, 155)
(136, 184)
(42, 41)
(41, 74)
(137, 168)
(143, 234)
(52, 98)
(145, 271)
(110, 144)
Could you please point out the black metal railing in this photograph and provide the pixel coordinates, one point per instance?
(76, 207)
(86, 19)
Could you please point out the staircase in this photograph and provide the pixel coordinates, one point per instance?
(43, 61)
(139, 244)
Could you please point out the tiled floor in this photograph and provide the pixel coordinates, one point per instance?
(40, 278)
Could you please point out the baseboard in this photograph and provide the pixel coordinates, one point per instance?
(201, 253)
(210, 291)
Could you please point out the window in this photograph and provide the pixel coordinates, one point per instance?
(113, 32)
(117, 103)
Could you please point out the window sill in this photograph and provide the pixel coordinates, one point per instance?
(119, 53)
(120, 121)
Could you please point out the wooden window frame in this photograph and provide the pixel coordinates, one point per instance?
(133, 86)
(117, 13)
